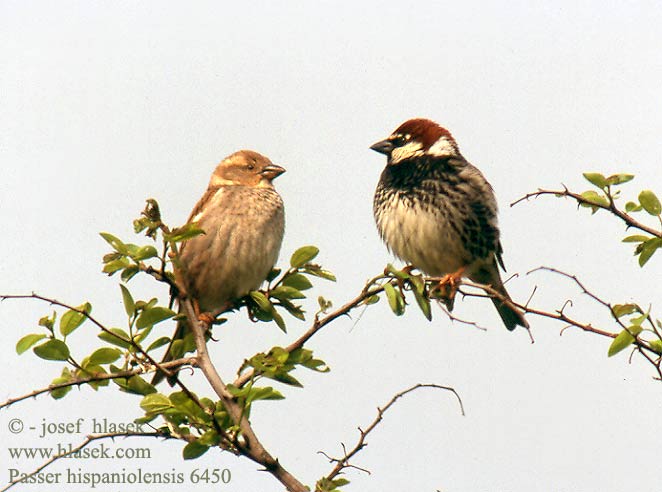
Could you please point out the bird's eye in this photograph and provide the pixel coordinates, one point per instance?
(399, 140)
(251, 166)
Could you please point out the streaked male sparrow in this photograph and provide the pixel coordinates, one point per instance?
(243, 218)
(437, 212)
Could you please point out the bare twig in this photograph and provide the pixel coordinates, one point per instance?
(97, 377)
(611, 207)
(344, 462)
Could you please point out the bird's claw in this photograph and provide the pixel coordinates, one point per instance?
(447, 287)
(206, 318)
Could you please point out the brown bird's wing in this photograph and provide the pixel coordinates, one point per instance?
(484, 232)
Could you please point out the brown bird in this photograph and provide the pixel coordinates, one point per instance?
(243, 218)
(437, 212)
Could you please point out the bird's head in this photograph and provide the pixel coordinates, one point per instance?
(246, 168)
(417, 137)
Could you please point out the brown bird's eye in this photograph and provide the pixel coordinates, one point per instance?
(251, 166)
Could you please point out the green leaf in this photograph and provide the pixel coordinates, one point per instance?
(52, 350)
(114, 266)
(636, 238)
(632, 207)
(285, 378)
(304, 357)
(97, 370)
(127, 298)
(595, 200)
(210, 438)
(262, 301)
(114, 242)
(303, 255)
(324, 304)
(266, 310)
(104, 355)
(617, 179)
(317, 271)
(371, 300)
(159, 342)
(139, 386)
(596, 179)
(144, 253)
(421, 299)
(326, 485)
(58, 393)
(623, 340)
(156, 403)
(621, 310)
(648, 249)
(297, 281)
(656, 346)
(107, 258)
(129, 272)
(92, 370)
(185, 232)
(28, 341)
(395, 300)
(273, 274)
(637, 322)
(401, 274)
(73, 319)
(286, 292)
(279, 321)
(48, 321)
(293, 309)
(115, 340)
(267, 393)
(650, 202)
(194, 450)
(152, 316)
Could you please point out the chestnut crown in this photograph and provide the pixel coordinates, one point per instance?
(418, 136)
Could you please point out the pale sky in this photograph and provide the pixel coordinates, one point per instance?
(105, 104)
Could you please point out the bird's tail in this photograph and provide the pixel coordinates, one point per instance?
(510, 315)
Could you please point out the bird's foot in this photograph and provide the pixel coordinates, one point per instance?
(206, 318)
(447, 287)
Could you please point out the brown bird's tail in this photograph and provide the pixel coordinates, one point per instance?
(510, 315)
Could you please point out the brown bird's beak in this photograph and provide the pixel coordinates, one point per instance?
(383, 147)
(272, 171)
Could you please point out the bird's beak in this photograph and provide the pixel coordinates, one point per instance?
(272, 171)
(383, 147)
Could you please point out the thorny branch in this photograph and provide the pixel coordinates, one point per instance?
(344, 462)
(368, 291)
(98, 324)
(246, 442)
(188, 361)
(650, 350)
(641, 345)
(611, 207)
(252, 447)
